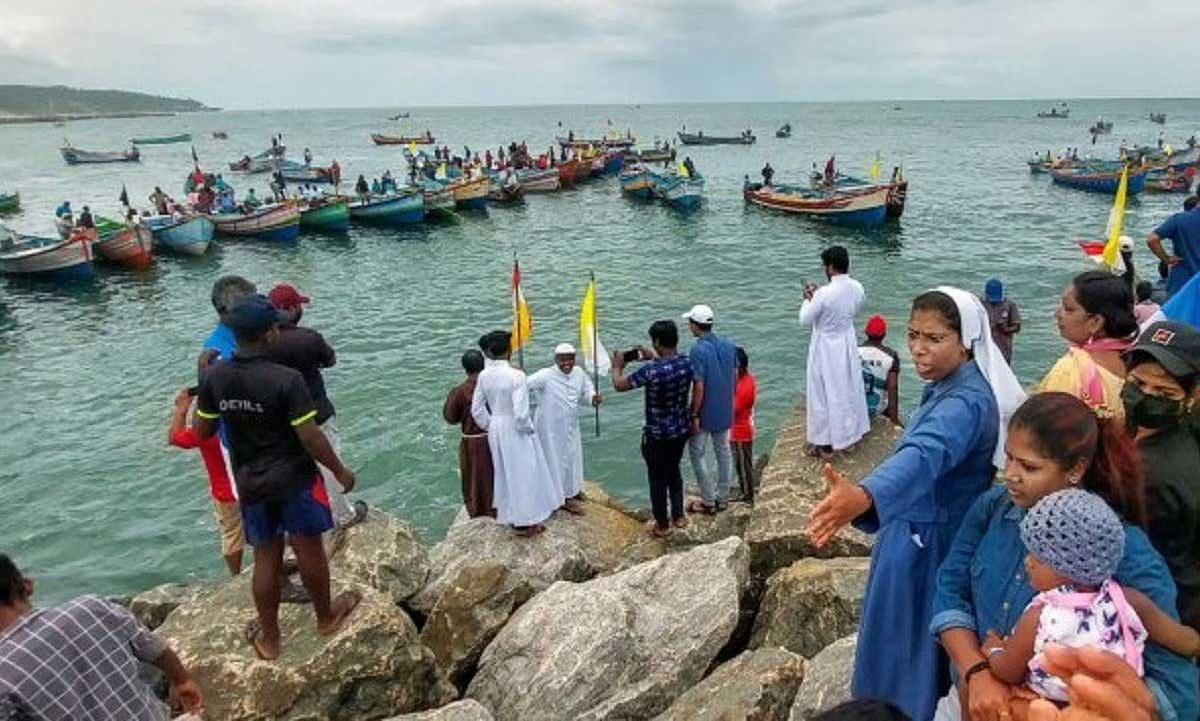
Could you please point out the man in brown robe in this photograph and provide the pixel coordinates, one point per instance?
(474, 456)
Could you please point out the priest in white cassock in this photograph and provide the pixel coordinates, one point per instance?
(559, 391)
(835, 398)
(525, 491)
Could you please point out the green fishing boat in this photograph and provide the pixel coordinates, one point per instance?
(163, 140)
(329, 216)
(9, 202)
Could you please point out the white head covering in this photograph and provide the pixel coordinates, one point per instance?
(977, 338)
(564, 349)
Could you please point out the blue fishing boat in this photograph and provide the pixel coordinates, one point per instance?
(189, 236)
(269, 222)
(681, 192)
(614, 161)
(638, 181)
(402, 209)
(861, 208)
(1099, 180)
(50, 258)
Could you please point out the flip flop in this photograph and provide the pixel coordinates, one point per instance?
(655, 532)
(360, 514)
(699, 507)
(681, 522)
(350, 601)
(252, 634)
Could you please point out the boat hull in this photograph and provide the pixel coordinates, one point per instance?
(331, 217)
(65, 260)
(1103, 182)
(129, 245)
(438, 199)
(472, 194)
(860, 209)
(390, 210)
(690, 139)
(380, 139)
(596, 142)
(74, 156)
(568, 173)
(539, 181)
(166, 140)
(281, 222)
(639, 184)
(191, 236)
(10, 203)
(682, 193)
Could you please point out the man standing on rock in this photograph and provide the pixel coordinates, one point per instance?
(835, 400)
(474, 455)
(79, 660)
(560, 391)
(306, 350)
(525, 491)
(714, 362)
(275, 444)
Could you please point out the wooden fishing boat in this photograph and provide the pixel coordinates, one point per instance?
(402, 209)
(680, 192)
(10, 202)
(1054, 113)
(163, 140)
(330, 215)
(865, 208)
(220, 135)
(470, 193)
(702, 139)
(270, 222)
(595, 142)
(897, 191)
(505, 190)
(654, 155)
(129, 245)
(189, 235)
(1101, 127)
(75, 156)
(785, 131)
(294, 172)
(568, 173)
(381, 139)
(538, 181)
(638, 181)
(253, 165)
(1099, 179)
(438, 198)
(614, 160)
(1160, 118)
(51, 258)
(596, 164)
(1169, 181)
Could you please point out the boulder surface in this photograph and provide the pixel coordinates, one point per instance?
(811, 604)
(465, 710)
(758, 685)
(826, 680)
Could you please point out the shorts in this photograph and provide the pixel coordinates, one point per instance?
(229, 527)
(304, 514)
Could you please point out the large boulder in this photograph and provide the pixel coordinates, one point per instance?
(703, 529)
(756, 686)
(374, 666)
(826, 680)
(465, 710)
(620, 646)
(153, 606)
(811, 604)
(383, 551)
(794, 483)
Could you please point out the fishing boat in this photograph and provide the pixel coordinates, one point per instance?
(331, 215)
(275, 151)
(614, 160)
(596, 164)
(638, 181)
(10, 202)
(401, 209)
(1096, 178)
(75, 156)
(381, 139)
(163, 140)
(269, 222)
(538, 181)
(1160, 118)
(470, 193)
(702, 139)
(253, 165)
(51, 258)
(615, 142)
(568, 173)
(398, 116)
(1054, 113)
(1169, 181)
(507, 189)
(862, 208)
(653, 155)
(129, 245)
(294, 172)
(438, 198)
(897, 190)
(189, 235)
(681, 192)
(785, 131)
(220, 135)
(1102, 126)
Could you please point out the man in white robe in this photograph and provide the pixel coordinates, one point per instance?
(835, 399)
(525, 491)
(559, 391)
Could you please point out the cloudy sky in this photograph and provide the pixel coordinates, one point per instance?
(359, 53)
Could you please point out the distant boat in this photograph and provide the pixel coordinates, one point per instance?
(1102, 126)
(1054, 113)
(398, 116)
(299, 173)
(785, 131)
(330, 215)
(862, 207)
(381, 139)
(51, 258)
(189, 236)
(75, 156)
(702, 139)
(1098, 179)
(163, 140)
(649, 155)
(538, 181)
(270, 222)
(1160, 118)
(681, 192)
(10, 202)
(220, 135)
(253, 165)
(614, 142)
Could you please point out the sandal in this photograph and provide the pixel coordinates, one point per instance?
(360, 515)
(696, 506)
(349, 601)
(681, 522)
(252, 635)
(656, 532)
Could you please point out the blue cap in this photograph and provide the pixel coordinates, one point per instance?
(994, 290)
(253, 312)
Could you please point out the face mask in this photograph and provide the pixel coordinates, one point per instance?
(1153, 412)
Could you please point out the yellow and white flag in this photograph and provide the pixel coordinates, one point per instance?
(522, 327)
(875, 170)
(595, 357)
(1116, 218)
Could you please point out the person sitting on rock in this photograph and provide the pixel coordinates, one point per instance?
(79, 659)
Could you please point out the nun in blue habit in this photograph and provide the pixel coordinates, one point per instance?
(914, 501)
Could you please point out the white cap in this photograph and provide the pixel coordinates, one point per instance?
(1126, 242)
(564, 349)
(701, 314)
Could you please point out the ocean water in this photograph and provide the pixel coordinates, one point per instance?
(95, 501)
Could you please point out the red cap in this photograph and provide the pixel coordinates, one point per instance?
(876, 325)
(286, 297)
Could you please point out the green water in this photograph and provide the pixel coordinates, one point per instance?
(94, 501)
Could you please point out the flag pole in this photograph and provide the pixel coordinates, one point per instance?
(595, 348)
(517, 311)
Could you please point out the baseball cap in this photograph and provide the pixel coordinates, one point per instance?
(1176, 346)
(254, 312)
(701, 314)
(876, 327)
(564, 349)
(994, 290)
(285, 296)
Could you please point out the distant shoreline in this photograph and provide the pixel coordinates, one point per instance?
(66, 117)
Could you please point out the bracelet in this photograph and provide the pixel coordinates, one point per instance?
(982, 665)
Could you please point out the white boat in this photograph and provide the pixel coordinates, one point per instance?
(45, 257)
(189, 235)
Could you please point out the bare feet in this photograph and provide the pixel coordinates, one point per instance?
(341, 609)
(264, 649)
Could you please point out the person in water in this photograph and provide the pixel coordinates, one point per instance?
(767, 174)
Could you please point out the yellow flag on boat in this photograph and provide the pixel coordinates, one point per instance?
(1116, 218)
(412, 147)
(441, 172)
(595, 357)
(522, 326)
(876, 169)
(683, 171)
(1167, 149)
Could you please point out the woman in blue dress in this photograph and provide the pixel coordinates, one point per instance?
(915, 499)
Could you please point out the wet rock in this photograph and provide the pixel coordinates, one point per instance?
(152, 607)
(826, 680)
(758, 685)
(811, 604)
(465, 710)
(620, 646)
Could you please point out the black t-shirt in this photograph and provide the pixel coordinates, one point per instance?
(1170, 459)
(306, 350)
(260, 403)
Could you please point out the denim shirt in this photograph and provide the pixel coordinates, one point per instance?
(982, 585)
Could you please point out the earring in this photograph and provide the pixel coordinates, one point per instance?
(1073, 480)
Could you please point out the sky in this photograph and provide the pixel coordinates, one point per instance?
(405, 53)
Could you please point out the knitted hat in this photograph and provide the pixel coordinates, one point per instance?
(1077, 534)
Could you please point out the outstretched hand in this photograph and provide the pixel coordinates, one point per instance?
(1101, 685)
(843, 502)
